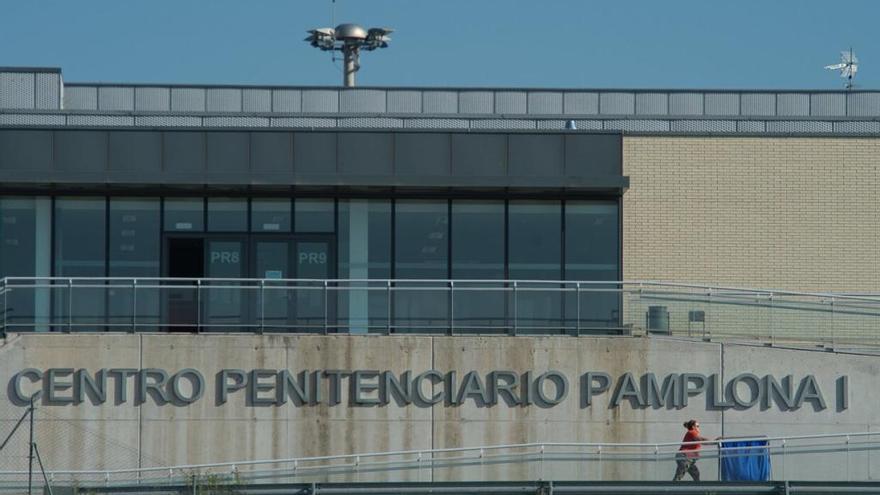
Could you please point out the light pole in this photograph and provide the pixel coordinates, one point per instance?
(349, 39)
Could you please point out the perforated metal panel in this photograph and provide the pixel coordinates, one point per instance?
(703, 125)
(303, 122)
(440, 101)
(510, 102)
(652, 104)
(750, 126)
(503, 124)
(476, 102)
(100, 120)
(863, 104)
(371, 122)
(167, 121)
(31, 119)
(256, 100)
(187, 100)
(686, 104)
(721, 104)
(48, 95)
(80, 98)
(235, 121)
(617, 103)
(862, 127)
(320, 101)
(580, 103)
(798, 126)
(551, 124)
(636, 125)
(152, 99)
(545, 102)
(827, 104)
(436, 124)
(404, 101)
(590, 125)
(223, 100)
(792, 104)
(286, 100)
(16, 90)
(758, 104)
(115, 98)
(362, 101)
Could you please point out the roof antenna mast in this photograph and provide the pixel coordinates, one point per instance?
(848, 67)
(349, 39)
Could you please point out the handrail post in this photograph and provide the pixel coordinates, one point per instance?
(451, 307)
(69, 305)
(198, 305)
(326, 310)
(577, 295)
(262, 305)
(134, 305)
(388, 305)
(515, 312)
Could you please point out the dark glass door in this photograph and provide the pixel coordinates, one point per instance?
(225, 295)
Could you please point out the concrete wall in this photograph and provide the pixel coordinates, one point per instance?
(115, 436)
(783, 213)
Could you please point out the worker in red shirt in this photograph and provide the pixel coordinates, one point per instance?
(688, 453)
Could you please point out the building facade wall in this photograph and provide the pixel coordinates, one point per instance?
(782, 213)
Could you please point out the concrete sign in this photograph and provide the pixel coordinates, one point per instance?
(274, 387)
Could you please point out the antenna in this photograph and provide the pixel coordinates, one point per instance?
(349, 39)
(848, 66)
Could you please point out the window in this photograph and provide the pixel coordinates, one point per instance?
(25, 230)
(313, 215)
(478, 239)
(227, 215)
(270, 215)
(364, 253)
(80, 233)
(592, 250)
(535, 236)
(185, 214)
(421, 252)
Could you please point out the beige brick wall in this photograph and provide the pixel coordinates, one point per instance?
(784, 213)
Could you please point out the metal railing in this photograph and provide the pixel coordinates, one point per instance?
(388, 306)
(828, 457)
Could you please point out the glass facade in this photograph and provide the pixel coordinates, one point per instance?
(482, 245)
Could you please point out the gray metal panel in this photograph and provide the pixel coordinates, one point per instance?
(232, 121)
(722, 104)
(545, 102)
(863, 104)
(228, 152)
(367, 153)
(100, 120)
(152, 99)
(703, 125)
(48, 96)
(425, 154)
(31, 119)
(436, 124)
(318, 122)
(362, 101)
(167, 121)
(511, 102)
(81, 98)
(798, 126)
(551, 124)
(314, 152)
(476, 102)
(503, 124)
(403, 101)
(792, 104)
(183, 152)
(256, 100)
(187, 99)
(116, 98)
(594, 125)
(370, 122)
(827, 104)
(80, 151)
(29, 150)
(440, 101)
(857, 127)
(223, 100)
(617, 103)
(320, 101)
(286, 100)
(480, 155)
(272, 152)
(136, 151)
(686, 104)
(593, 154)
(536, 155)
(17, 90)
(750, 126)
(652, 103)
(758, 104)
(580, 103)
(637, 125)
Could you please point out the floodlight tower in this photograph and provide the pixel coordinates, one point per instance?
(349, 39)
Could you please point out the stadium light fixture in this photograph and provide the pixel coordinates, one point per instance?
(349, 39)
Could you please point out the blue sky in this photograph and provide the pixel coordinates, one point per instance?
(470, 43)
